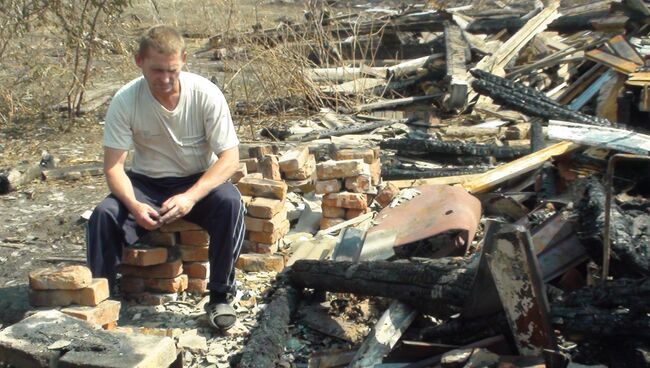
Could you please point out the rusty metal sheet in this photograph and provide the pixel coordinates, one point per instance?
(438, 209)
(517, 276)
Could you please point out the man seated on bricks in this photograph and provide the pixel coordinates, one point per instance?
(185, 151)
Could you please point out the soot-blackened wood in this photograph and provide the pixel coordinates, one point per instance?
(599, 323)
(464, 331)
(438, 287)
(396, 173)
(266, 343)
(630, 230)
(633, 294)
(455, 148)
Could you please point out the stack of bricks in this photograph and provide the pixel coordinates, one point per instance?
(73, 287)
(266, 223)
(298, 167)
(165, 263)
(345, 182)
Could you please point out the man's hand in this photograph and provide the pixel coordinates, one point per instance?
(146, 216)
(176, 207)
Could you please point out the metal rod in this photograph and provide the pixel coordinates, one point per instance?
(609, 188)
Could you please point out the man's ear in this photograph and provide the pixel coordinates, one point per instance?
(138, 59)
(184, 57)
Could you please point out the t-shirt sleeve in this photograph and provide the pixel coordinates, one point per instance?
(219, 128)
(117, 127)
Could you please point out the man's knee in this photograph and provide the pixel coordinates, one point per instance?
(110, 208)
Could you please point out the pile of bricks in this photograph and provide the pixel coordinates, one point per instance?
(165, 263)
(345, 182)
(266, 223)
(298, 168)
(74, 287)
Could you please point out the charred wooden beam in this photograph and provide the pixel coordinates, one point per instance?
(455, 148)
(629, 239)
(402, 172)
(518, 280)
(601, 323)
(528, 100)
(456, 51)
(266, 343)
(450, 159)
(439, 286)
(462, 331)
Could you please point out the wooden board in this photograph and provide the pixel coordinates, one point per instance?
(518, 167)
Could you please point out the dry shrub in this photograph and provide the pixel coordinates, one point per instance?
(50, 52)
(278, 69)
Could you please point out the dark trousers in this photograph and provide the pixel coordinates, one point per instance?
(220, 213)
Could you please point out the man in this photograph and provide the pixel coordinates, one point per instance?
(185, 150)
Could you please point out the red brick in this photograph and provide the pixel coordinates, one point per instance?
(386, 194)
(329, 222)
(130, 284)
(261, 151)
(197, 238)
(144, 256)
(247, 200)
(262, 188)
(333, 212)
(368, 155)
(270, 238)
(304, 172)
(270, 168)
(194, 254)
(260, 262)
(255, 175)
(352, 213)
(197, 286)
(179, 225)
(175, 285)
(264, 208)
(252, 165)
(197, 270)
(110, 326)
(67, 278)
(339, 169)
(346, 200)
(266, 225)
(104, 313)
(260, 248)
(163, 270)
(294, 159)
(358, 184)
(159, 239)
(92, 295)
(375, 172)
(327, 186)
(300, 186)
(147, 298)
(239, 174)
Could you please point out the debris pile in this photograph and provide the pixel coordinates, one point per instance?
(481, 173)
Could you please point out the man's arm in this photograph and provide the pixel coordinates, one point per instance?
(181, 204)
(122, 188)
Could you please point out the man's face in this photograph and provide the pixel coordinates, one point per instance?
(161, 71)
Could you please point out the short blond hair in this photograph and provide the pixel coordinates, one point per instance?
(163, 39)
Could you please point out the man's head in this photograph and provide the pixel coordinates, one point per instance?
(161, 56)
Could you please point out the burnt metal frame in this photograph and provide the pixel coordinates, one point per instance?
(609, 188)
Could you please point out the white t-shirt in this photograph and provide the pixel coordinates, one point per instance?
(175, 143)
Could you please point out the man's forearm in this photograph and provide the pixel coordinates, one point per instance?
(122, 188)
(216, 175)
